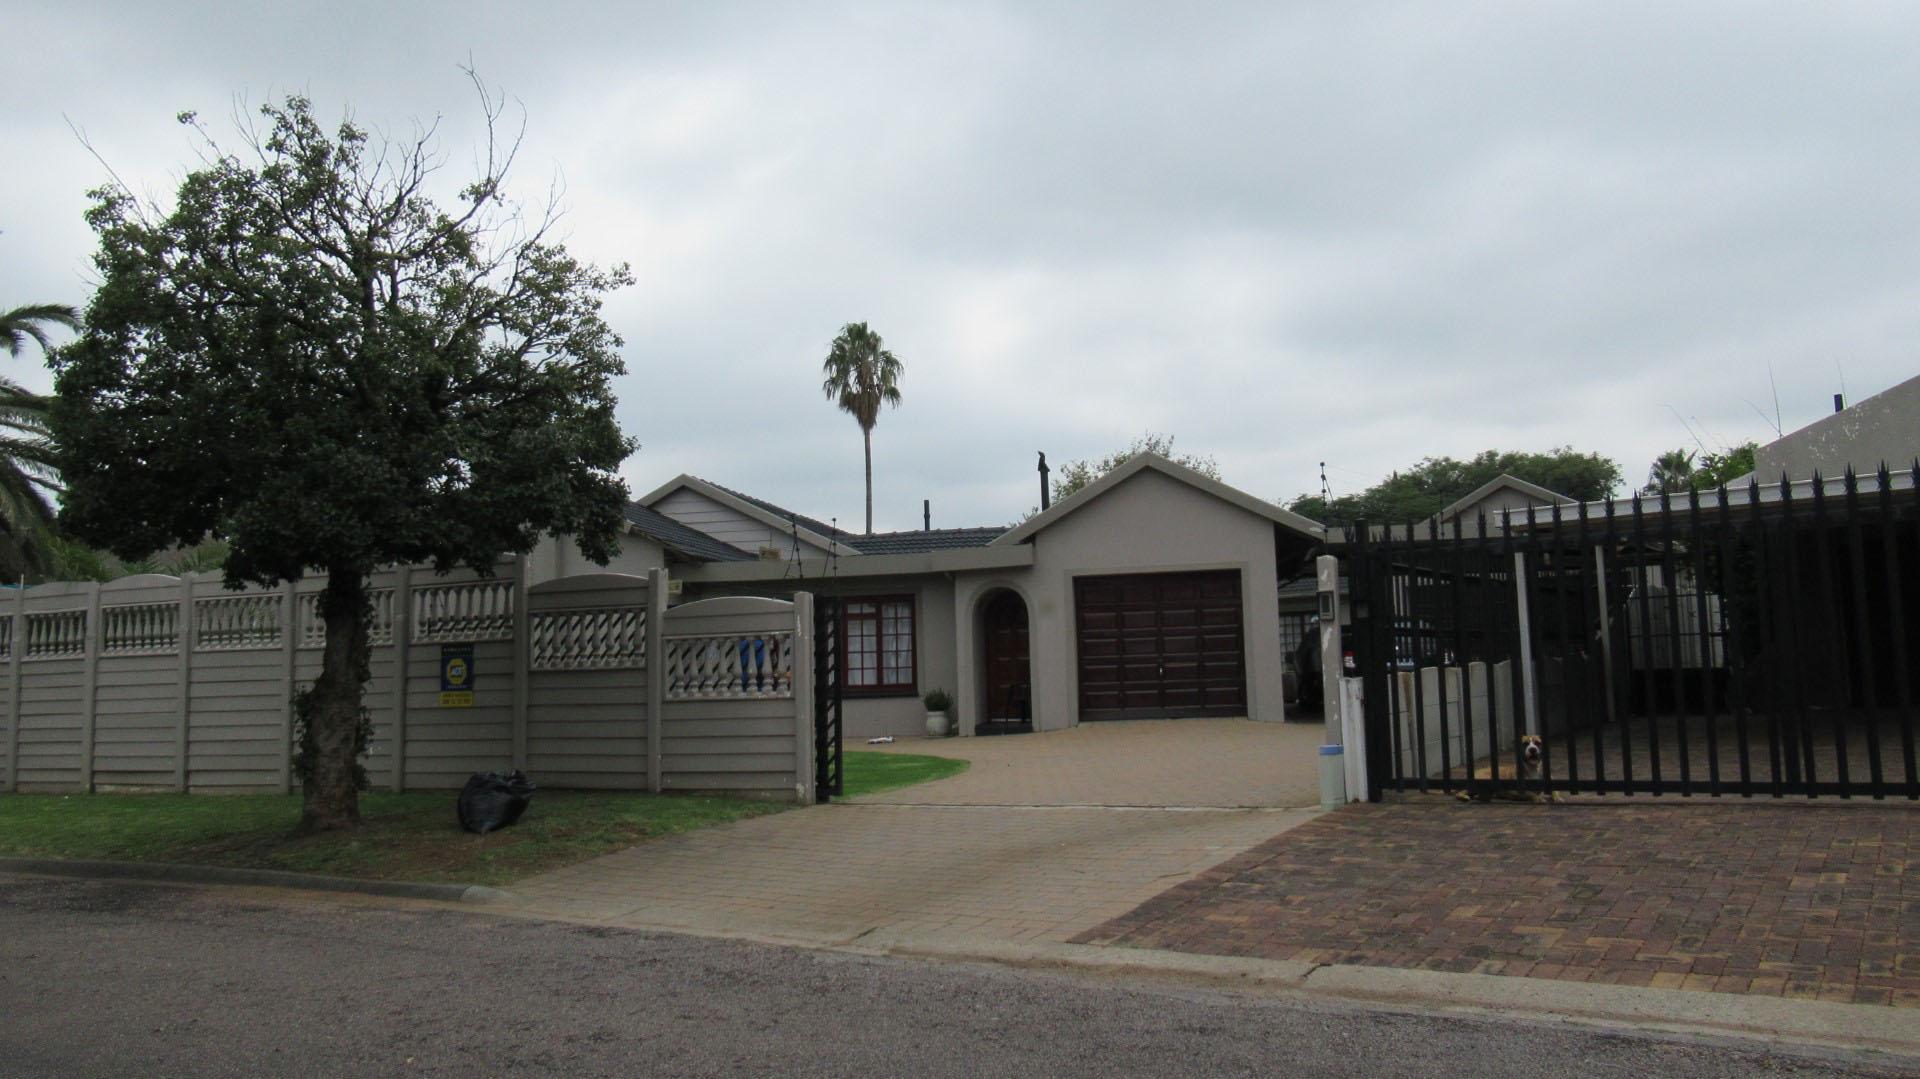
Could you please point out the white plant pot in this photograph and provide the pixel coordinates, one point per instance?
(938, 725)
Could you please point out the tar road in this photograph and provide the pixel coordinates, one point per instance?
(107, 979)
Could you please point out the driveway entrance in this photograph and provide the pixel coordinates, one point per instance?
(1046, 836)
(1214, 763)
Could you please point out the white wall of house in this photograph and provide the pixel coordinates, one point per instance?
(728, 525)
(1150, 523)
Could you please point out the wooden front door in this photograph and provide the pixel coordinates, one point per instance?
(1009, 682)
(1163, 645)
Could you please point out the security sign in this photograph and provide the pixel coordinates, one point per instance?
(456, 676)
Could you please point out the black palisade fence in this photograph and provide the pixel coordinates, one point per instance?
(1754, 641)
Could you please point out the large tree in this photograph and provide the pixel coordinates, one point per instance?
(1434, 483)
(27, 477)
(861, 376)
(307, 357)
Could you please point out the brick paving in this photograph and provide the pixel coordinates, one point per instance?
(1818, 902)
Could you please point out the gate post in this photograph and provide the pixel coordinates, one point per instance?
(804, 776)
(1334, 768)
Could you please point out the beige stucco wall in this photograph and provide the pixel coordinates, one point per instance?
(560, 557)
(1150, 523)
(868, 717)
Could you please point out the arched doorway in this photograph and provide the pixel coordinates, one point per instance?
(1009, 680)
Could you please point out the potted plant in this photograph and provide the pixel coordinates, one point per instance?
(937, 702)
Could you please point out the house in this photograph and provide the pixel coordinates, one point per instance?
(1883, 429)
(1495, 499)
(1151, 593)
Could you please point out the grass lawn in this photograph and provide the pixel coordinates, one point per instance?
(411, 836)
(870, 773)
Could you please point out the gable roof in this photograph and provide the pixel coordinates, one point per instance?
(781, 520)
(917, 542)
(1143, 461)
(785, 514)
(680, 538)
(1505, 481)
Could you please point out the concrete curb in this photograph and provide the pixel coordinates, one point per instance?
(167, 872)
(1772, 1020)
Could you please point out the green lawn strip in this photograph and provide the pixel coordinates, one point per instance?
(871, 773)
(411, 836)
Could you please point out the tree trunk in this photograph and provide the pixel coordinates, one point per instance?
(866, 436)
(331, 742)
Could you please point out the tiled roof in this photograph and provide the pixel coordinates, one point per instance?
(678, 537)
(918, 542)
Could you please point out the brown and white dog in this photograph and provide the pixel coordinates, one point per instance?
(1503, 770)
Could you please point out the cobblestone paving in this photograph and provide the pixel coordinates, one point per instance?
(1799, 901)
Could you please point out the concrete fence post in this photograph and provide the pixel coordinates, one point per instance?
(183, 701)
(803, 698)
(289, 632)
(17, 654)
(402, 657)
(656, 671)
(522, 661)
(90, 687)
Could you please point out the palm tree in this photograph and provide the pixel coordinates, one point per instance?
(1671, 471)
(27, 473)
(21, 323)
(861, 376)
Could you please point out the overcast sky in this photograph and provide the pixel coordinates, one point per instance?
(1357, 233)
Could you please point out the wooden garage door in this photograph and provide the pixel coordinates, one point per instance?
(1160, 645)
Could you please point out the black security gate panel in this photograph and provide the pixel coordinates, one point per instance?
(1757, 642)
(828, 735)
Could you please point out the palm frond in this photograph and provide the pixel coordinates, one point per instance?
(22, 323)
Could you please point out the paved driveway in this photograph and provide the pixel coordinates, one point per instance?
(1224, 763)
(1808, 901)
(1047, 836)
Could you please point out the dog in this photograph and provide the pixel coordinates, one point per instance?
(1531, 752)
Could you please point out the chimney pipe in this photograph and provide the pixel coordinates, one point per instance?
(1046, 495)
(926, 515)
(1839, 402)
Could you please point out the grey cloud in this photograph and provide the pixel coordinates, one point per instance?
(1287, 233)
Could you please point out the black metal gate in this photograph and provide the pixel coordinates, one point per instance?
(827, 735)
(1754, 642)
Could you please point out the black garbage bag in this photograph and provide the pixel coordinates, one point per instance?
(493, 800)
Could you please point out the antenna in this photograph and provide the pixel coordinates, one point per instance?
(1695, 435)
(1326, 491)
(1778, 427)
(1763, 417)
(1842, 372)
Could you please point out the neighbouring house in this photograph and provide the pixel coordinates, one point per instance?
(1152, 593)
(1496, 498)
(1883, 429)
